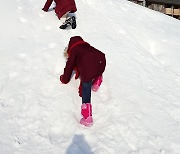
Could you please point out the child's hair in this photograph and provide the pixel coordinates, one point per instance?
(65, 52)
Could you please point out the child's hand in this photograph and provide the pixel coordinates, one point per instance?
(61, 78)
(44, 10)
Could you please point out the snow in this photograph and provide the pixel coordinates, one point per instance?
(135, 111)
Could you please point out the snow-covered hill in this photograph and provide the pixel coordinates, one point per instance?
(137, 108)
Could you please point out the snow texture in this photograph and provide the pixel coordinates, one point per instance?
(135, 111)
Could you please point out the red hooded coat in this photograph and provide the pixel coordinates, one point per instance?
(62, 6)
(89, 61)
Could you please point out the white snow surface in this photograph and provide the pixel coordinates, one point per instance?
(135, 111)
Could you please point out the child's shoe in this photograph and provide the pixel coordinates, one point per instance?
(70, 21)
(86, 111)
(96, 83)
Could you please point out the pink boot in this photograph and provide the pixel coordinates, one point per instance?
(86, 111)
(96, 83)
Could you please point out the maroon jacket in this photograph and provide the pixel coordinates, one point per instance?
(89, 61)
(62, 6)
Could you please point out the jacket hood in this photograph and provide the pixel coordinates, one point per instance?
(73, 41)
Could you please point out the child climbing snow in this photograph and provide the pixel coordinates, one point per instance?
(89, 64)
(63, 7)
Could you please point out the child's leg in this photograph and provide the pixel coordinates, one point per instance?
(86, 92)
(69, 14)
(86, 108)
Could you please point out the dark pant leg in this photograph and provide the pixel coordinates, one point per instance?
(86, 92)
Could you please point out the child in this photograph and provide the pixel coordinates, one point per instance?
(63, 7)
(89, 64)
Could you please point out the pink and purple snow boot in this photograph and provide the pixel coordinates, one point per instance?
(86, 111)
(96, 83)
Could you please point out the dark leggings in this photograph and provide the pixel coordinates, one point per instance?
(86, 92)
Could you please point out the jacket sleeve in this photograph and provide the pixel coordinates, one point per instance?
(47, 5)
(70, 64)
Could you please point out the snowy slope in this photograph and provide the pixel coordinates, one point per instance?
(136, 110)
